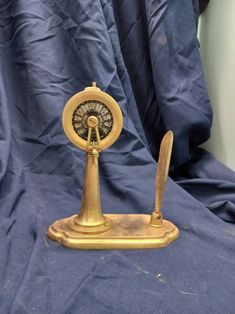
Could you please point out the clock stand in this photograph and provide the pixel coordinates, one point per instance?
(92, 121)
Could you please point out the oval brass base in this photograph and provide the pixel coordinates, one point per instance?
(126, 232)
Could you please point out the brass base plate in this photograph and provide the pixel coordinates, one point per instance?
(127, 232)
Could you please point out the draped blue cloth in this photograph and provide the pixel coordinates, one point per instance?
(144, 53)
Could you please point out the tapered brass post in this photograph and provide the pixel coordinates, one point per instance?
(90, 218)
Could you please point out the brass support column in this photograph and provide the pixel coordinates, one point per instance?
(90, 217)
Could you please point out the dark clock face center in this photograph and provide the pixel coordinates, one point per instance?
(92, 108)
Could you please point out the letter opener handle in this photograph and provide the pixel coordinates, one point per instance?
(161, 177)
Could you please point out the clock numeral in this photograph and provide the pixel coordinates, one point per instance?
(104, 111)
(77, 118)
(86, 107)
(80, 132)
(107, 117)
(92, 106)
(98, 107)
(105, 130)
(79, 112)
(108, 124)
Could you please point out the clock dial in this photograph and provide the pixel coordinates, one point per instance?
(92, 108)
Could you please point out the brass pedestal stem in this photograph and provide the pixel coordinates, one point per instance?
(90, 218)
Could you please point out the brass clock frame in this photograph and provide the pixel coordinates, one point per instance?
(92, 93)
(90, 229)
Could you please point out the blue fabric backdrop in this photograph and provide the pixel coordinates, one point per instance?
(145, 54)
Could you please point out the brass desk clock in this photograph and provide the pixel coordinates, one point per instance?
(92, 121)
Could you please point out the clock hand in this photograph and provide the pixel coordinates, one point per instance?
(92, 123)
(97, 136)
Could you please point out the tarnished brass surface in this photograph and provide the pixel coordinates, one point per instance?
(126, 232)
(92, 121)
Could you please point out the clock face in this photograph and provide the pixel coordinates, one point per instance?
(92, 108)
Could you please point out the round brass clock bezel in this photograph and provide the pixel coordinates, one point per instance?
(92, 93)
